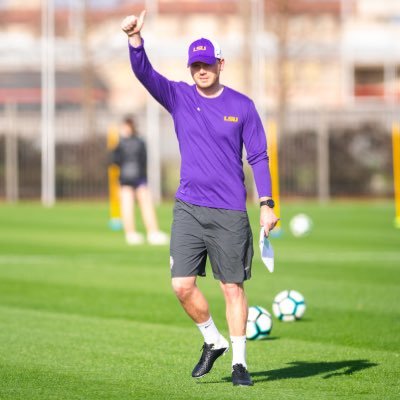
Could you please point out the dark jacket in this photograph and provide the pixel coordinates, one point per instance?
(131, 156)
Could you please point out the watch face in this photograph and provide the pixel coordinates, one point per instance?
(270, 203)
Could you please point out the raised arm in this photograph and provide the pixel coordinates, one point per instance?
(132, 26)
(158, 86)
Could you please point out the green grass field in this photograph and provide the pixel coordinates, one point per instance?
(83, 316)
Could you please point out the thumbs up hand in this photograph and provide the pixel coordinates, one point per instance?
(132, 25)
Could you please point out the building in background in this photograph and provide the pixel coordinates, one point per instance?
(372, 52)
(334, 57)
(23, 88)
(343, 50)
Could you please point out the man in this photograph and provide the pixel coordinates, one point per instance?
(212, 123)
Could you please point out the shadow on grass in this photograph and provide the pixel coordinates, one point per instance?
(268, 339)
(306, 369)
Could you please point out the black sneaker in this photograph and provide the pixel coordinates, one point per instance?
(207, 359)
(240, 376)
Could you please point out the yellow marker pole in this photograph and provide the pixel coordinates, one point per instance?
(396, 170)
(272, 138)
(113, 182)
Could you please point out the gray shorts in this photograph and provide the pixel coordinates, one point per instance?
(224, 235)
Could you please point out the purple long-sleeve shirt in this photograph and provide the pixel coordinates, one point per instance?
(211, 133)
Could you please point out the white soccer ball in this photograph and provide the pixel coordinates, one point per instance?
(259, 323)
(289, 305)
(300, 225)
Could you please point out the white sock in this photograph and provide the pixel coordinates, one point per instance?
(239, 350)
(209, 331)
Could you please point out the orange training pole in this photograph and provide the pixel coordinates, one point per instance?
(272, 137)
(396, 170)
(113, 183)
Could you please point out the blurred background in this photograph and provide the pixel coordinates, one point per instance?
(326, 71)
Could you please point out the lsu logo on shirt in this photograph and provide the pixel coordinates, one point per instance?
(200, 48)
(230, 118)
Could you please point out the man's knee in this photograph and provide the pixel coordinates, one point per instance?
(183, 287)
(232, 291)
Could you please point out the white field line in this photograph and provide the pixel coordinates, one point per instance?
(323, 257)
(33, 259)
(27, 259)
(335, 257)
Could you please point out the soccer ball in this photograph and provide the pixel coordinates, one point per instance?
(289, 305)
(259, 323)
(300, 225)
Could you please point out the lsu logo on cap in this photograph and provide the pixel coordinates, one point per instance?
(200, 48)
(230, 118)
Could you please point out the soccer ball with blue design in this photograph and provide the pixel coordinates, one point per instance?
(289, 305)
(259, 323)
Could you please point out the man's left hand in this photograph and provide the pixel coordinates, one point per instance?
(268, 219)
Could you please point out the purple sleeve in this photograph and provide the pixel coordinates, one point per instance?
(158, 86)
(256, 147)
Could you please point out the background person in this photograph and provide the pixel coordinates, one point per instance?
(131, 156)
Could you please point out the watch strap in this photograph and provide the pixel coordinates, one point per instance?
(270, 203)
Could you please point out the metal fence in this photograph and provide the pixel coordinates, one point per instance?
(321, 154)
(330, 154)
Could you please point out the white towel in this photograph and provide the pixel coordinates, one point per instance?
(267, 252)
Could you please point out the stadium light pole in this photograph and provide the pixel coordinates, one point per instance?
(257, 63)
(346, 63)
(153, 115)
(48, 104)
(11, 154)
(257, 59)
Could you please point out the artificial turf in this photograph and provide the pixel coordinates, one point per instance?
(84, 316)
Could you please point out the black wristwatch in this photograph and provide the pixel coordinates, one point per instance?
(270, 203)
